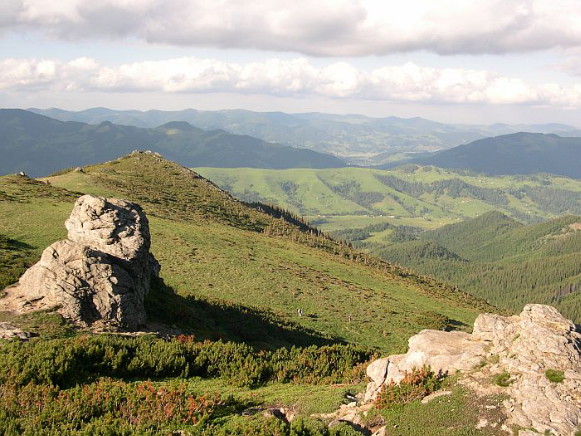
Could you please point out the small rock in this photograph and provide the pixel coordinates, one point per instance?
(382, 431)
(482, 422)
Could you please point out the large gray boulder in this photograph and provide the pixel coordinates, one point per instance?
(100, 274)
(524, 346)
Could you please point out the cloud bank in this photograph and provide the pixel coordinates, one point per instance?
(322, 28)
(296, 77)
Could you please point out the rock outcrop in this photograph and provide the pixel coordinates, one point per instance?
(100, 274)
(527, 348)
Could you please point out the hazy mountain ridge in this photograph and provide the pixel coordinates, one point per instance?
(40, 145)
(518, 153)
(356, 138)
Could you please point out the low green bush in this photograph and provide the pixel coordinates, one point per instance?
(65, 362)
(104, 407)
(259, 425)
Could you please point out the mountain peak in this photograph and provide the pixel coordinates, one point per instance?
(178, 125)
(515, 153)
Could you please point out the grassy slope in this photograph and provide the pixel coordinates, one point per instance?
(215, 249)
(510, 264)
(234, 278)
(331, 198)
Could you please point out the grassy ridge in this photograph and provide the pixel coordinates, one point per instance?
(402, 215)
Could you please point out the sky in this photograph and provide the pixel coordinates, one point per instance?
(468, 61)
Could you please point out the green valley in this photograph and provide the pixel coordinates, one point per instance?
(419, 196)
(463, 228)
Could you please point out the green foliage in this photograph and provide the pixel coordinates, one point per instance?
(555, 375)
(308, 427)
(503, 379)
(360, 233)
(64, 362)
(343, 429)
(415, 385)
(469, 237)
(257, 425)
(103, 407)
(253, 426)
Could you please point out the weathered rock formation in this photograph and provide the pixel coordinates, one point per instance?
(524, 347)
(100, 274)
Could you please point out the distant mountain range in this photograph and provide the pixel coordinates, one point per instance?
(355, 138)
(39, 145)
(519, 153)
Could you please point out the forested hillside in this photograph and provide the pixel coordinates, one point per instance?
(39, 145)
(475, 236)
(501, 260)
(518, 153)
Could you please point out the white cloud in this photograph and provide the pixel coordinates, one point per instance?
(322, 28)
(296, 77)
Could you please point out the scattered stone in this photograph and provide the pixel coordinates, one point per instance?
(99, 275)
(482, 423)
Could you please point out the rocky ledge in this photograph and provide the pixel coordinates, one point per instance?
(538, 352)
(99, 275)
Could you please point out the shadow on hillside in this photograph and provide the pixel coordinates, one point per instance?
(221, 320)
(7, 243)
